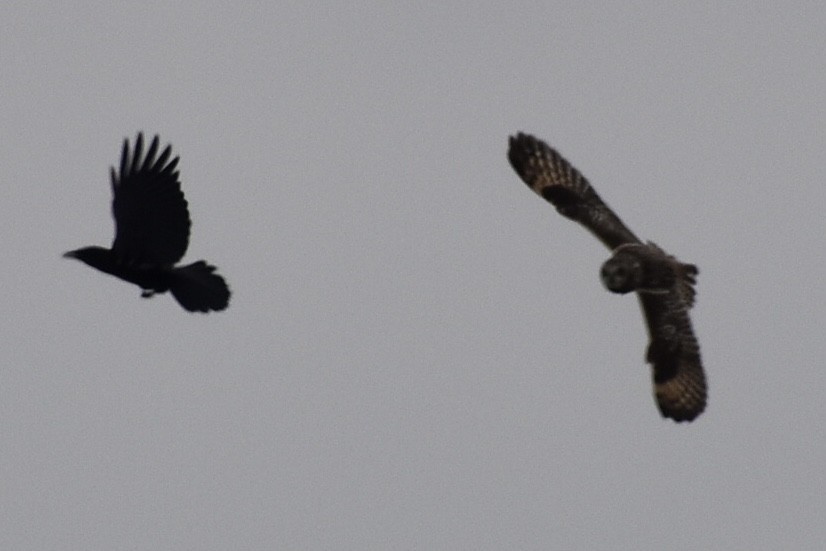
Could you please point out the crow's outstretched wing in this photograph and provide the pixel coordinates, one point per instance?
(151, 217)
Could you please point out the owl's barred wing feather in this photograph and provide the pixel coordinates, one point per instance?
(687, 281)
(674, 354)
(546, 172)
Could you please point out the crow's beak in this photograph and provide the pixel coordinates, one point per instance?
(69, 254)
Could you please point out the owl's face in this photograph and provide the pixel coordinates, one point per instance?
(621, 273)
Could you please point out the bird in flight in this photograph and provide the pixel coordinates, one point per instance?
(152, 233)
(664, 285)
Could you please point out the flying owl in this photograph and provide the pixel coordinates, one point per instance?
(664, 285)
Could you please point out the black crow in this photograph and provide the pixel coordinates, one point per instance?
(152, 233)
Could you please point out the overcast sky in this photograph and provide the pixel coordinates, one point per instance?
(418, 353)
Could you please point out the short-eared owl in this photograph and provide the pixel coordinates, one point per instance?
(665, 286)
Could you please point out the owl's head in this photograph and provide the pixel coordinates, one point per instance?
(622, 273)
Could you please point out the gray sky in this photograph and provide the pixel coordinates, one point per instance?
(418, 353)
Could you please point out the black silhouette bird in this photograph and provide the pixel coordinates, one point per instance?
(152, 233)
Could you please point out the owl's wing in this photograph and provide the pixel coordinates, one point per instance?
(674, 354)
(553, 178)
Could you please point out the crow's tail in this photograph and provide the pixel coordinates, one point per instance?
(198, 289)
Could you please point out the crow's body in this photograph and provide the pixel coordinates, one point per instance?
(152, 233)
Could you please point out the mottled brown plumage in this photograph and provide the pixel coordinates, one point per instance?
(664, 285)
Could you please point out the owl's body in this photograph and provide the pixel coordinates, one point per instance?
(664, 285)
(647, 268)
